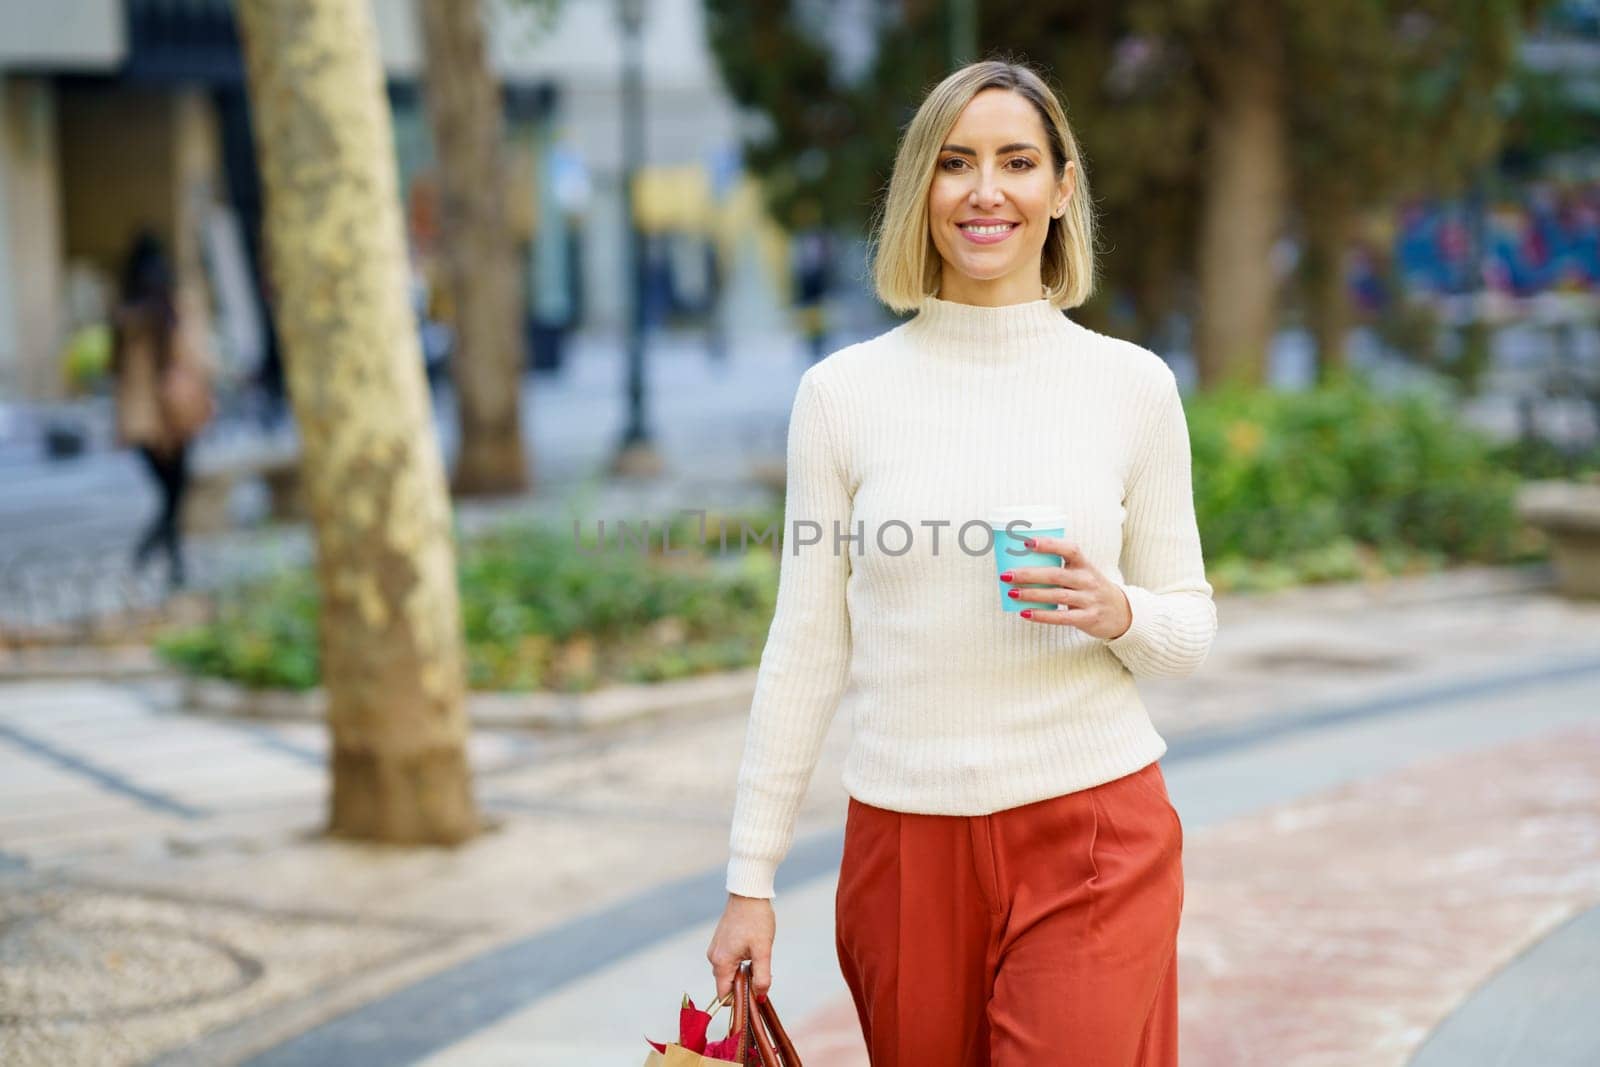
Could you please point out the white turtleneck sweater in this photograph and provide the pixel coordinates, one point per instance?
(957, 707)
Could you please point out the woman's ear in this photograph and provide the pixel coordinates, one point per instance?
(1069, 180)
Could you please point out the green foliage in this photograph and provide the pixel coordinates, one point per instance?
(774, 60)
(1342, 479)
(537, 612)
(262, 635)
(1143, 83)
(1536, 458)
(1552, 116)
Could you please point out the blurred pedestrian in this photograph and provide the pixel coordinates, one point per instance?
(813, 279)
(163, 391)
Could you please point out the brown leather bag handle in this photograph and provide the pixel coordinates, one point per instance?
(786, 1054)
(741, 1015)
(761, 1018)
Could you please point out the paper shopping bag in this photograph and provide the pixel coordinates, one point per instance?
(678, 1056)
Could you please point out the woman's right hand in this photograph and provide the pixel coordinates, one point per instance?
(745, 933)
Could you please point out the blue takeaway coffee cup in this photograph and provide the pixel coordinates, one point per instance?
(1010, 525)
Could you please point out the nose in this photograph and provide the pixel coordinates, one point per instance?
(987, 189)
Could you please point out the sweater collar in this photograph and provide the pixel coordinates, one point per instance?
(1006, 333)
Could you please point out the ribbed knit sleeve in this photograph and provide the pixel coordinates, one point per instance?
(1174, 617)
(805, 663)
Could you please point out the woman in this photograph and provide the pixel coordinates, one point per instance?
(1012, 877)
(156, 412)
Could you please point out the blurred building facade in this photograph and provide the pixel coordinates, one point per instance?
(120, 115)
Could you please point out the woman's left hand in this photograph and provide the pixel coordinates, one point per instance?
(1085, 598)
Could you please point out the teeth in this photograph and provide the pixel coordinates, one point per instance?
(989, 229)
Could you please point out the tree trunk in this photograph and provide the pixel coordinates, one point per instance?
(374, 482)
(1327, 306)
(1246, 189)
(463, 100)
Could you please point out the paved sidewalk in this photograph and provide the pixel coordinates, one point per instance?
(1346, 886)
(163, 891)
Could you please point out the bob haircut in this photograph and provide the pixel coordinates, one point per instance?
(906, 263)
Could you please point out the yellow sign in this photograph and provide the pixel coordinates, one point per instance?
(673, 198)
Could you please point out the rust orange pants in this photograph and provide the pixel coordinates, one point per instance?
(1044, 934)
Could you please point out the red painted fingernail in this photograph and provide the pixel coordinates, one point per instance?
(1027, 542)
(761, 998)
(1027, 613)
(1006, 577)
(1014, 594)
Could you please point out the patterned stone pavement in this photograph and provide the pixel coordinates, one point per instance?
(1341, 929)
(97, 974)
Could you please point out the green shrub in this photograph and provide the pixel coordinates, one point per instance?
(537, 613)
(1331, 481)
(262, 635)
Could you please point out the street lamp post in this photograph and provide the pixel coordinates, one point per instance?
(636, 455)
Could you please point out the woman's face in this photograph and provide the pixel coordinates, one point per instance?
(994, 170)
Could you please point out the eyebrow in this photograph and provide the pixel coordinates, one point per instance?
(1014, 146)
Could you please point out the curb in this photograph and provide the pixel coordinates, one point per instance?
(80, 662)
(609, 706)
(1471, 581)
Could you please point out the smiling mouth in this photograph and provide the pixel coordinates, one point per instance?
(986, 230)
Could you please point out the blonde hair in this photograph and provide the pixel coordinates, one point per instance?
(905, 261)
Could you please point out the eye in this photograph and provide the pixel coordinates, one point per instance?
(1027, 164)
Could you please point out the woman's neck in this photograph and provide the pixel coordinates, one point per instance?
(1007, 333)
(988, 292)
